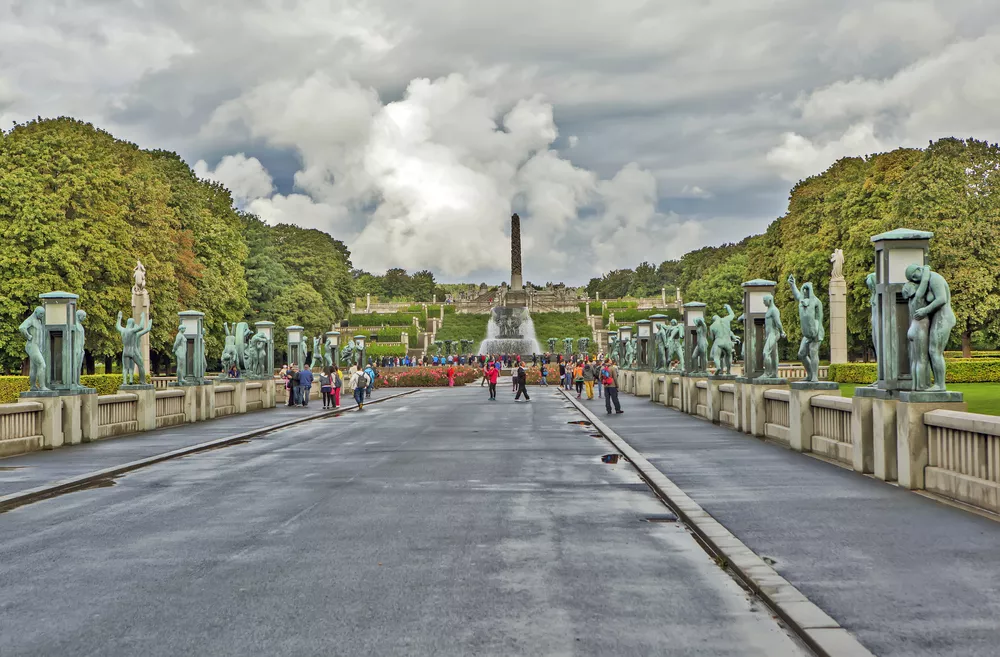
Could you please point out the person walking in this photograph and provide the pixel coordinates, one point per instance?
(521, 376)
(305, 384)
(293, 379)
(286, 374)
(358, 381)
(451, 376)
(486, 375)
(326, 387)
(578, 379)
(589, 374)
(545, 374)
(563, 381)
(493, 374)
(337, 382)
(598, 381)
(370, 375)
(609, 376)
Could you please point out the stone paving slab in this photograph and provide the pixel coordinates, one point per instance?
(27, 471)
(907, 575)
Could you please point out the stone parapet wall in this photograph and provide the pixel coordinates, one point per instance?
(51, 422)
(937, 447)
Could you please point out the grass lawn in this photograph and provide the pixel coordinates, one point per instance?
(981, 397)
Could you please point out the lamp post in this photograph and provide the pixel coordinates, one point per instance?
(645, 330)
(333, 337)
(753, 325)
(692, 311)
(267, 330)
(294, 335)
(193, 322)
(360, 341)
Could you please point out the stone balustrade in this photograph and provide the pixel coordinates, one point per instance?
(20, 427)
(950, 453)
(963, 457)
(727, 413)
(798, 372)
(170, 407)
(117, 414)
(51, 422)
(776, 413)
(163, 382)
(832, 427)
(701, 399)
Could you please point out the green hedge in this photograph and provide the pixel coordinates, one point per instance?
(106, 384)
(960, 370)
(975, 354)
(387, 319)
(559, 326)
(380, 350)
(630, 316)
(391, 335)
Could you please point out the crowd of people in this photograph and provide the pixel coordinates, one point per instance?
(587, 374)
(332, 381)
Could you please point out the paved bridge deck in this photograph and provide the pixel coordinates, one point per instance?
(908, 575)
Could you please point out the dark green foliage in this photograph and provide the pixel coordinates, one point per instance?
(79, 207)
(559, 326)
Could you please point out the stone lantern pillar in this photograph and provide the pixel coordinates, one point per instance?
(267, 330)
(333, 337)
(296, 351)
(360, 340)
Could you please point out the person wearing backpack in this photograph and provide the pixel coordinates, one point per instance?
(609, 377)
(370, 374)
(326, 388)
(359, 381)
(545, 374)
(578, 379)
(493, 374)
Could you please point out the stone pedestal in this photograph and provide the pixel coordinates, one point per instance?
(800, 414)
(146, 410)
(643, 381)
(52, 421)
(753, 398)
(883, 432)
(240, 394)
(715, 397)
(89, 418)
(689, 391)
(862, 433)
(838, 321)
(71, 420)
(267, 393)
(911, 432)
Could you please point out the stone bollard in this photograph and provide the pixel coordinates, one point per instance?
(89, 418)
(240, 394)
(911, 432)
(72, 418)
(800, 412)
(205, 395)
(146, 405)
(643, 381)
(883, 406)
(52, 435)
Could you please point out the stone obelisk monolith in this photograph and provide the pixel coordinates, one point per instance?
(516, 284)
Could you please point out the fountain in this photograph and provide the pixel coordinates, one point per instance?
(510, 331)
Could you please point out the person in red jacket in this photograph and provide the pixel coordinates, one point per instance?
(493, 375)
(451, 376)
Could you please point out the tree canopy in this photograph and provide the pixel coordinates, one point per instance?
(79, 207)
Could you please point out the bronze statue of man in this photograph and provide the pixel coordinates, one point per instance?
(723, 341)
(811, 321)
(180, 354)
(79, 339)
(773, 330)
(33, 331)
(131, 346)
(937, 309)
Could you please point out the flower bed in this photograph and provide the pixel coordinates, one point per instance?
(424, 377)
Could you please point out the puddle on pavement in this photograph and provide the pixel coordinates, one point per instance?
(103, 482)
(582, 423)
(10, 468)
(611, 458)
(665, 517)
(596, 435)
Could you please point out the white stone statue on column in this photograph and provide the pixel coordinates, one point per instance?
(838, 309)
(141, 309)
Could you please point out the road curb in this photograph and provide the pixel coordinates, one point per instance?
(21, 498)
(813, 625)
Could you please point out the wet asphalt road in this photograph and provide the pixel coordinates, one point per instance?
(909, 576)
(434, 524)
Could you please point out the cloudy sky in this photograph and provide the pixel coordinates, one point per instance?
(620, 131)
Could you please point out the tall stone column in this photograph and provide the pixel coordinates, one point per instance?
(515, 253)
(140, 307)
(838, 309)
